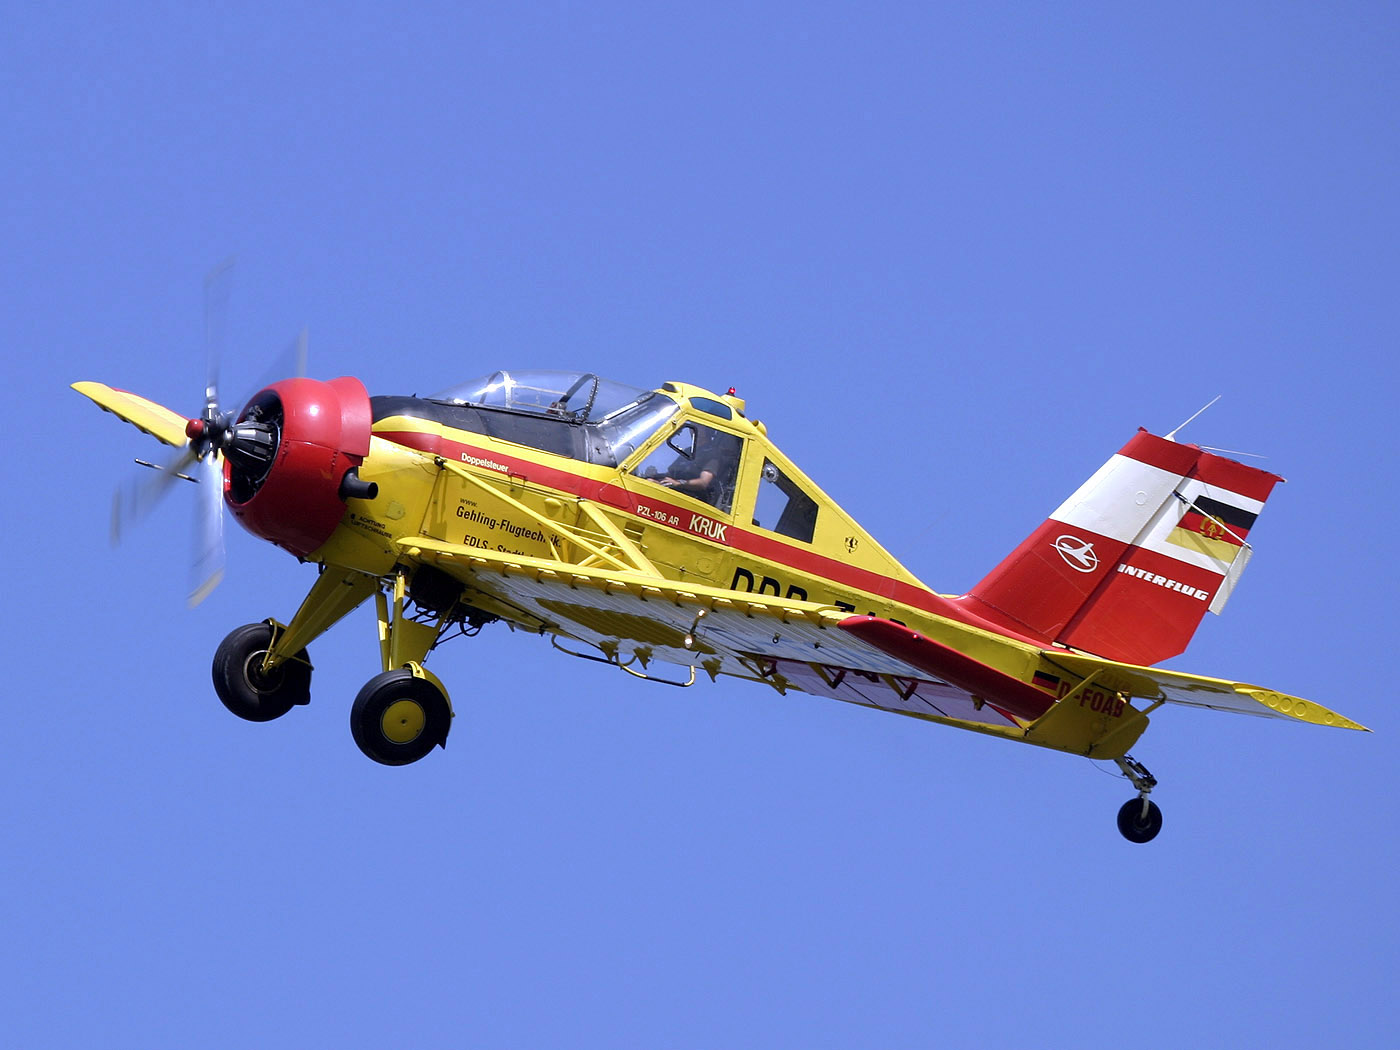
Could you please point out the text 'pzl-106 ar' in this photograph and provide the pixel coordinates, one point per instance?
(664, 533)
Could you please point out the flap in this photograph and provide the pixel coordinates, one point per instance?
(948, 664)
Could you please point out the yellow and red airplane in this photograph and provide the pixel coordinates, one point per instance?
(664, 533)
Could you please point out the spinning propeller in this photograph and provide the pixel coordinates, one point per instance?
(249, 444)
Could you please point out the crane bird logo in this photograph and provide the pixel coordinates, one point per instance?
(1078, 554)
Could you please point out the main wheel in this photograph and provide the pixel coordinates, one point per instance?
(398, 717)
(1136, 825)
(245, 690)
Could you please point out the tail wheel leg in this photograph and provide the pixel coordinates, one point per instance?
(1139, 820)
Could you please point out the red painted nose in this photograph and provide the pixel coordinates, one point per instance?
(322, 433)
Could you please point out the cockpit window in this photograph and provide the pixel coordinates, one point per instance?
(699, 461)
(577, 397)
(783, 507)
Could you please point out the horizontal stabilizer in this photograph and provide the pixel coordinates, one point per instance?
(1217, 694)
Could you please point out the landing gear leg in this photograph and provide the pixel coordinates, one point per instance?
(336, 592)
(1139, 820)
(249, 691)
(402, 714)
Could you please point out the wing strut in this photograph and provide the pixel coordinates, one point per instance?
(624, 555)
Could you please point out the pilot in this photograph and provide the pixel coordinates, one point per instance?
(705, 474)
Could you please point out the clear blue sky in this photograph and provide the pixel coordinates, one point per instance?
(953, 258)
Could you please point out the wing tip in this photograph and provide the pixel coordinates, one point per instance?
(147, 416)
(1303, 710)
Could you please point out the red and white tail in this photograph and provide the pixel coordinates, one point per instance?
(1127, 566)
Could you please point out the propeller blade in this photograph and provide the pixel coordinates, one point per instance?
(216, 294)
(137, 497)
(290, 363)
(208, 434)
(208, 566)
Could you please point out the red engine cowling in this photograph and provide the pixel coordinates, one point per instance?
(289, 454)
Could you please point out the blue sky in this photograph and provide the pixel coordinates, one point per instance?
(953, 257)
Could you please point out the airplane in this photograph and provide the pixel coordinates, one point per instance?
(662, 532)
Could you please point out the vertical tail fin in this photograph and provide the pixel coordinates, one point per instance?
(1127, 566)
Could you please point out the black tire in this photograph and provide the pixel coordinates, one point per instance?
(244, 690)
(398, 718)
(1134, 825)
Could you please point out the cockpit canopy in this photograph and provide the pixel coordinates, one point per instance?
(578, 397)
(574, 414)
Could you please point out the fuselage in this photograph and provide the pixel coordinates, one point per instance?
(771, 531)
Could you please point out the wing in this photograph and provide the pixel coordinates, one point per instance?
(1093, 715)
(635, 619)
(1173, 687)
(147, 416)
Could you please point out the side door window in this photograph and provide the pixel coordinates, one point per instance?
(699, 461)
(782, 506)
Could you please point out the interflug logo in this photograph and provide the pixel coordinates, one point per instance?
(1078, 554)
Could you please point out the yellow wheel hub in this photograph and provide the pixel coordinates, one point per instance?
(402, 721)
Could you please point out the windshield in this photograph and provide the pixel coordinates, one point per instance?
(626, 430)
(579, 397)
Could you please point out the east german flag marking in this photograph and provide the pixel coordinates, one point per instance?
(1216, 529)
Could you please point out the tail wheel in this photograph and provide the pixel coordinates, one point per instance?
(1139, 820)
(398, 717)
(242, 686)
